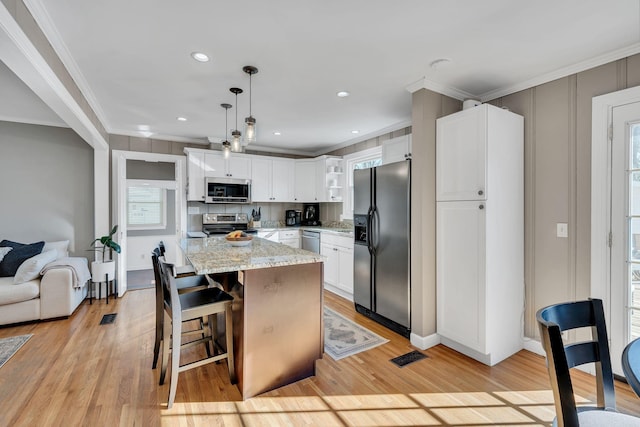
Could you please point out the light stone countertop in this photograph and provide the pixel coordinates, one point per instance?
(216, 255)
(321, 229)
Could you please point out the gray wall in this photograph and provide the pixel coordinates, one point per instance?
(557, 118)
(46, 186)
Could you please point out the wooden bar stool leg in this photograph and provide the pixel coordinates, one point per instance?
(228, 324)
(176, 338)
(166, 346)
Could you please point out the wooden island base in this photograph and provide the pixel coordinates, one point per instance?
(278, 326)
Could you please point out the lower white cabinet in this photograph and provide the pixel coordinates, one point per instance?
(338, 263)
(270, 234)
(290, 238)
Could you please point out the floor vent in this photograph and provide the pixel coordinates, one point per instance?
(405, 359)
(108, 318)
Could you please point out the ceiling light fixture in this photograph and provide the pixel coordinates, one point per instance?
(355, 131)
(249, 122)
(439, 63)
(200, 57)
(236, 147)
(276, 133)
(226, 145)
(181, 119)
(343, 94)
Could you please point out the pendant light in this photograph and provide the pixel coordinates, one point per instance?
(226, 145)
(250, 122)
(236, 147)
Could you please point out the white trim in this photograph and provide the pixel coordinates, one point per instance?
(379, 132)
(21, 56)
(563, 72)
(453, 92)
(44, 21)
(602, 107)
(32, 121)
(534, 346)
(424, 343)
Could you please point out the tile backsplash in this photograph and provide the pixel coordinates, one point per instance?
(272, 213)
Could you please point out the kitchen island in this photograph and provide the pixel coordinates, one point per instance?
(277, 308)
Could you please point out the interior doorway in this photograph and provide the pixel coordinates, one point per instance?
(137, 232)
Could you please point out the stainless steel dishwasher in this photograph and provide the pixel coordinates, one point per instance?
(311, 241)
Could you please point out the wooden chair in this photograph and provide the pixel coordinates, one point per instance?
(178, 271)
(193, 305)
(185, 284)
(560, 358)
(631, 364)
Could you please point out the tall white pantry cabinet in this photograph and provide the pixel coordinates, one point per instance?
(480, 232)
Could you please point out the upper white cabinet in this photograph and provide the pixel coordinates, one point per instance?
(461, 154)
(305, 181)
(195, 176)
(236, 166)
(480, 232)
(396, 149)
(271, 179)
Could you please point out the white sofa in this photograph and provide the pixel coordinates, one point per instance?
(51, 295)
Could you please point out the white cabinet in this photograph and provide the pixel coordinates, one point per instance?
(236, 166)
(290, 238)
(480, 237)
(195, 176)
(271, 234)
(305, 181)
(338, 263)
(272, 179)
(396, 149)
(329, 179)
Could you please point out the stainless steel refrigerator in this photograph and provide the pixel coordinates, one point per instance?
(382, 266)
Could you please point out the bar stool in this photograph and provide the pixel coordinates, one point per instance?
(193, 305)
(185, 284)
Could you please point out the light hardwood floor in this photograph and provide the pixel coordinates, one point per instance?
(75, 372)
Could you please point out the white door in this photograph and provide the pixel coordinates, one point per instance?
(625, 230)
(461, 272)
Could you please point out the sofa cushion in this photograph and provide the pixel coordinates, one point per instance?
(4, 251)
(10, 293)
(61, 247)
(17, 256)
(30, 269)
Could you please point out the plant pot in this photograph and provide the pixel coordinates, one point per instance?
(101, 270)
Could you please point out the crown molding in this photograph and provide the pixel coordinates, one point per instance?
(383, 131)
(563, 72)
(32, 121)
(425, 83)
(44, 21)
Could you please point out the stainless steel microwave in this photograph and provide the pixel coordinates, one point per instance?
(227, 190)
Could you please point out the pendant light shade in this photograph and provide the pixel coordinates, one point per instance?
(250, 122)
(226, 145)
(236, 146)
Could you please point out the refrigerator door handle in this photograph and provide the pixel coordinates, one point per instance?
(375, 224)
(369, 229)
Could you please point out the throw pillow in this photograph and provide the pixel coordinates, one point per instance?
(3, 252)
(30, 268)
(19, 254)
(61, 247)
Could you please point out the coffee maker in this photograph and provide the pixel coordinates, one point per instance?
(292, 217)
(311, 214)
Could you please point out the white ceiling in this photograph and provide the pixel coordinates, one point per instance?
(132, 59)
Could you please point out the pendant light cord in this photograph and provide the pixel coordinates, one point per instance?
(250, 91)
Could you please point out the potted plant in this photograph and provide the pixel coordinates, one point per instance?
(105, 269)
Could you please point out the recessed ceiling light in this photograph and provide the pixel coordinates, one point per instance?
(199, 56)
(355, 131)
(343, 93)
(277, 133)
(181, 119)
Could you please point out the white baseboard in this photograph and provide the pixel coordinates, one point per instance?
(424, 343)
(534, 346)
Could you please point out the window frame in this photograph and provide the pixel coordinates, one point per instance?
(350, 160)
(138, 183)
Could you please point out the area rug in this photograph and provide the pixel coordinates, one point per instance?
(343, 338)
(9, 347)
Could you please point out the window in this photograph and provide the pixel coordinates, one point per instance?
(146, 207)
(360, 160)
